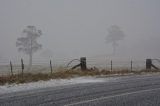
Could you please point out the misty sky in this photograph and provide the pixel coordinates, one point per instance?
(75, 28)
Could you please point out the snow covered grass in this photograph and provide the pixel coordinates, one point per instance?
(8, 88)
(31, 81)
(30, 77)
(61, 74)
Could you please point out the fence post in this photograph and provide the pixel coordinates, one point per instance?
(83, 63)
(111, 65)
(106, 65)
(22, 66)
(51, 66)
(131, 65)
(11, 68)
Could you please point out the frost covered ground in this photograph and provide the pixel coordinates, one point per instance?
(51, 83)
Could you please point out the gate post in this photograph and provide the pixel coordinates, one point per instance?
(83, 63)
(148, 64)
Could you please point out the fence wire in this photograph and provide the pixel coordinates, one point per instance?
(43, 65)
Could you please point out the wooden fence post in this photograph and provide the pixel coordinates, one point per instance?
(111, 65)
(11, 68)
(83, 63)
(131, 65)
(106, 65)
(22, 66)
(51, 66)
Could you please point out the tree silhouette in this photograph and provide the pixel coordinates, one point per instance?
(115, 34)
(28, 43)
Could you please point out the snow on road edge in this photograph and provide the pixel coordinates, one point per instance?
(51, 83)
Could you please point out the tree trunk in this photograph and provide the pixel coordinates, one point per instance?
(30, 57)
(114, 47)
(30, 61)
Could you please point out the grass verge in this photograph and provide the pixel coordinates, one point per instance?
(62, 74)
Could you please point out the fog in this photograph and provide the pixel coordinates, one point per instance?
(76, 28)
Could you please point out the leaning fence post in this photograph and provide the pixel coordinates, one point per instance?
(51, 66)
(22, 66)
(111, 65)
(11, 68)
(131, 65)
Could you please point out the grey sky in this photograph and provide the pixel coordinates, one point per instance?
(75, 28)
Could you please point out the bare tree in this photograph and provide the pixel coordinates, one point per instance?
(115, 34)
(28, 43)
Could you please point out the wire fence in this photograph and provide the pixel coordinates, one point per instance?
(8, 67)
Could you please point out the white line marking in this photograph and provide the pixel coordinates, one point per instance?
(108, 97)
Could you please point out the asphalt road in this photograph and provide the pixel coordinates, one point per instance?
(137, 90)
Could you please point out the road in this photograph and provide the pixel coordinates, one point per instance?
(136, 90)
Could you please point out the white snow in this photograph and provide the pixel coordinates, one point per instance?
(8, 88)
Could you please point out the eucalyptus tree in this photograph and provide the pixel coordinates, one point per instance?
(115, 34)
(28, 44)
